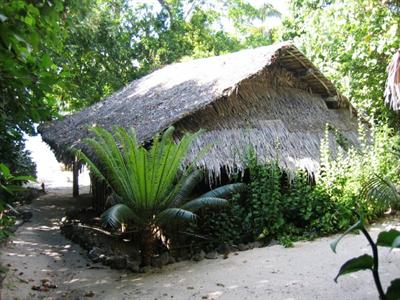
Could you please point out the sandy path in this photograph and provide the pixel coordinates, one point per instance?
(303, 272)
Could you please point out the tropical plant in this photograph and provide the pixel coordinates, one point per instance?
(376, 189)
(9, 185)
(390, 239)
(153, 189)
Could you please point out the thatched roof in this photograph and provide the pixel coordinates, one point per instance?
(392, 91)
(174, 93)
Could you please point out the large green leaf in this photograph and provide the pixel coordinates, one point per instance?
(225, 190)
(396, 242)
(201, 202)
(363, 262)
(5, 171)
(171, 214)
(386, 238)
(117, 215)
(23, 178)
(393, 291)
(186, 187)
(356, 226)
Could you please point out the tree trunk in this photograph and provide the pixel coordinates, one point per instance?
(75, 178)
(147, 245)
(99, 193)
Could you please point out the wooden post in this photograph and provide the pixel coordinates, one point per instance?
(99, 194)
(75, 178)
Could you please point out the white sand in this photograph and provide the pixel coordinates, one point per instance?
(303, 272)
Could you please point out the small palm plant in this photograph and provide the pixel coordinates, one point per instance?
(381, 189)
(152, 188)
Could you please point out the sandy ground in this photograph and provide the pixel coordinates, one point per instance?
(38, 251)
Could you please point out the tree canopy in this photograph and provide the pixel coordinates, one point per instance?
(352, 42)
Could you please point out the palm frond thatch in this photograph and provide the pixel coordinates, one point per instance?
(392, 91)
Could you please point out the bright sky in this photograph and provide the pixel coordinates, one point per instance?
(281, 5)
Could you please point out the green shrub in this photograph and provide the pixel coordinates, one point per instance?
(276, 207)
(343, 175)
(224, 225)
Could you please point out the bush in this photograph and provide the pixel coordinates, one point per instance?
(300, 208)
(343, 176)
(15, 156)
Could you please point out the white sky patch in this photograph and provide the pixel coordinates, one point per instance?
(281, 5)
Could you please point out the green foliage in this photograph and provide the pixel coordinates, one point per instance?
(10, 185)
(26, 72)
(377, 189)
(118, 41)
(368, 262)
(344, 174)
(363, 262)
(152, 188)
(289, 209)
(29, 32)
(14, 154)
(224, 225)
(5, 223)
(388, 238)
(352, 42)
(265, 198)
(298, 207)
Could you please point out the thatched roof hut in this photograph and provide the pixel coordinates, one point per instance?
(271, 97)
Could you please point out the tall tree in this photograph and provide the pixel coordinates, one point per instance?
(352, 42)
(27, 72)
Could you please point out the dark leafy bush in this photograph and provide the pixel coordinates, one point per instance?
(278, 207)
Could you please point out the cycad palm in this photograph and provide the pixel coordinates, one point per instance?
(152, 188)
(381, 189)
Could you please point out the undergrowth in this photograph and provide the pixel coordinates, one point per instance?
(276, 207)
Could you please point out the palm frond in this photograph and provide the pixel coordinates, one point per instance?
(380, 189)
(202, 202)
(117, 215)
(185, 187)
(225, 190)
(171, 214)
(143, 178)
